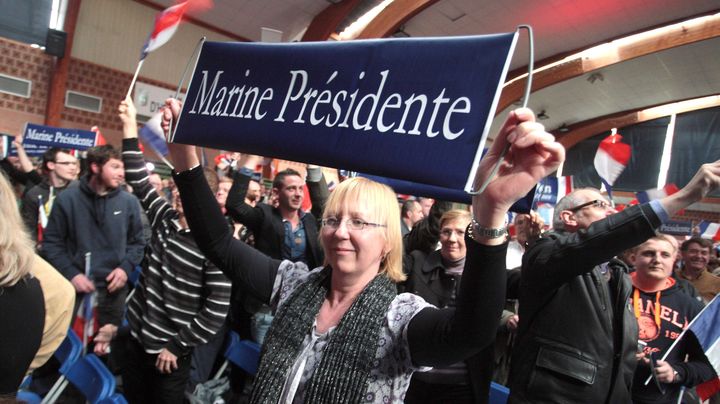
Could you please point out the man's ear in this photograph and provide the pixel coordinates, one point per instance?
(632, 258)
(568, 218)
(94, 168)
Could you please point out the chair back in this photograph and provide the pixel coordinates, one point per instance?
(69, 351)
(116, 398)
(243, 353)
(92, 378)
(498, 393)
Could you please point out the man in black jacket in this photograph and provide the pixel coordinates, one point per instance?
(97, 217)
(285, 231)
(577, 335)
(60, 169)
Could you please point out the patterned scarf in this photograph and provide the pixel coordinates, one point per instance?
(341, 376)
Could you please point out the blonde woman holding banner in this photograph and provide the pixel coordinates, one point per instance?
(341, 333)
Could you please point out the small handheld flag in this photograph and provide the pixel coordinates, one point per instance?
(709, 230)
(659, 193)
(166, 23)
(611, 159)
(165, 26)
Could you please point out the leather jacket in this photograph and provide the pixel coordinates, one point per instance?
(577, 335)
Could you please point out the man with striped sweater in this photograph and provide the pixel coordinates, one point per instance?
(181, 300)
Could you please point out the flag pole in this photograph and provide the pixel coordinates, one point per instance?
(87, 306)
(134, 79)
(525, 99)
(682, 334)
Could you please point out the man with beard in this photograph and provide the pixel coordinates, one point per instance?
(99, 218)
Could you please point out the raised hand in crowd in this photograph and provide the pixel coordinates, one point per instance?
(705, 180)
(533, 155)
(128, 116)
(25, 164)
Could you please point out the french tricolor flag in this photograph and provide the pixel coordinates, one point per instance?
(166, 23)
(611, 158)
(659, 193)
(152, 135)
(709, 230)
(706, 327)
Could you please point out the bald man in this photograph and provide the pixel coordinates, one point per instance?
(577, 338)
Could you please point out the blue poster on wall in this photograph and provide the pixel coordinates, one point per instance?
(415, 109)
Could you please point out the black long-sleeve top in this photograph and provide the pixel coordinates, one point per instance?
(436, 337)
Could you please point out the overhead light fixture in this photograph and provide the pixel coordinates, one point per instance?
(563, 128)
(543, 116)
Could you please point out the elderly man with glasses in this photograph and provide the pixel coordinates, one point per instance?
(577, 336)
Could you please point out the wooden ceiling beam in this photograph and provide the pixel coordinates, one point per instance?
(327, 21)
(616, 52)
(392, 17)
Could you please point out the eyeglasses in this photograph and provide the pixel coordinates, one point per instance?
(66, 163)
(447, 233)
(597, 202)
(352, 224)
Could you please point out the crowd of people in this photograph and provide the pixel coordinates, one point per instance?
(364, 298)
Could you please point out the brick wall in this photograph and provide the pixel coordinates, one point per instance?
(110, 85)
(698, 216)
(22, 61)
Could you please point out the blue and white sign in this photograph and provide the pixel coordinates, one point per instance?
(551, 189)
(677, 228)
(38, 138)
(451, 195)
(416, 109)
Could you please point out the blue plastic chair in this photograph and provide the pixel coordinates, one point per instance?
(92, 378)
(116, 398)
(498, 393)
(28, 397)
(243, 353)
(135, 275)
(67, 354)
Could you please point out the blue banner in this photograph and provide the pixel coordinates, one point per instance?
(416, 109)
(677, 228)
(451, 195)
(551, 189)
(38, 138)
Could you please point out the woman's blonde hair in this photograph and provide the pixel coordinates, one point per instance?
(379, 202)
(453, 215)
(16, 248)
